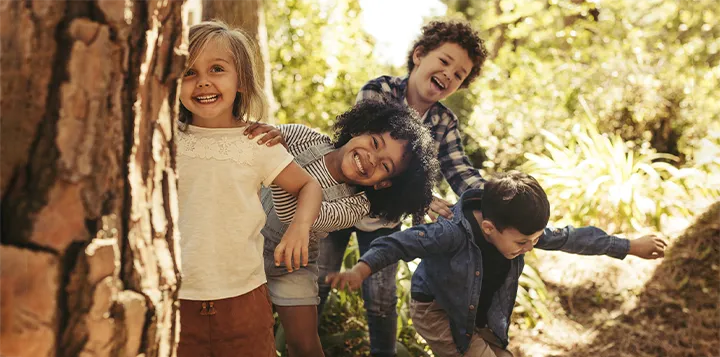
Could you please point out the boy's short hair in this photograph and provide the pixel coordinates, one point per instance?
(438, 32)
(515, 200)
(411, 190)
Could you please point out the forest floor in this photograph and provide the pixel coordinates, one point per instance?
(606, 307)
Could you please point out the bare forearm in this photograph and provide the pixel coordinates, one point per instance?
(309, 199)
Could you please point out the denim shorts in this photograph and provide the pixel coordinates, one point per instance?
(299, 288)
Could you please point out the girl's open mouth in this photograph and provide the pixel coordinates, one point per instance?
(207, 99)
(358, 164)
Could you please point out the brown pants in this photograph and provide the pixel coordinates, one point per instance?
(241, 326)
(432, 323)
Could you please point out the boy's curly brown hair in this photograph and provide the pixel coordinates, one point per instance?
(438, 32)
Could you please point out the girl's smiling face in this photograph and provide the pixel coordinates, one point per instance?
(210, 85)
(373, 159)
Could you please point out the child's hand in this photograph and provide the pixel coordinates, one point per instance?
(347, 279)
(270, 134)
(352, 279)
(648, 247)
(293, 248)
(439, 207)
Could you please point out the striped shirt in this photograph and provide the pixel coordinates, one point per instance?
(339, 214)
(443, 125)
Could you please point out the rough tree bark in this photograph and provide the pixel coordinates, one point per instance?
(250, 16)
(88, 255)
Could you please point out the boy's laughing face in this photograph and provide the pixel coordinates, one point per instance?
(440, 72)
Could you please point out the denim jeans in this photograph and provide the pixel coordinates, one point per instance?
(378, 291)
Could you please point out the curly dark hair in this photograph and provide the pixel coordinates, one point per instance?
(436, 33)
(411, 190)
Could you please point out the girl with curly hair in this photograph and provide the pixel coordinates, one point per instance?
(381, 162)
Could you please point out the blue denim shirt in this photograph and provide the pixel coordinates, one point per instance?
(451, 266)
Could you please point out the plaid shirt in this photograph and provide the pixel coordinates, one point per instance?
(443, 125)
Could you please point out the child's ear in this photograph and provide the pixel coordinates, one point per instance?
(487, 226)
(417, 55)
(382, 184)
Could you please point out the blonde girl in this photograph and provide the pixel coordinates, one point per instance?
(224, 305)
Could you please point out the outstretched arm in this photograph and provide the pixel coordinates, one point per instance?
(594, 241)
(415, 242)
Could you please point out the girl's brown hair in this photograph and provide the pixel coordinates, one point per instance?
(251, 103)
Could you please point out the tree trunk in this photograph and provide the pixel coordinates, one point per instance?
(250, 16)
(89, 208)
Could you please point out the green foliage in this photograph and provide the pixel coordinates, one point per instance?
(320, 57)
(648, 69)
(602, 180)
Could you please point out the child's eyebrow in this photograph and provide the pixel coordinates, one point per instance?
(463, 70)
(221, 59)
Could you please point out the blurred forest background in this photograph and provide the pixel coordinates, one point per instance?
(612, 105)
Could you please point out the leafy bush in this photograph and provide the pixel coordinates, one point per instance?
(602, 180)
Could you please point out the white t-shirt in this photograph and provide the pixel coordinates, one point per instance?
(220, 174)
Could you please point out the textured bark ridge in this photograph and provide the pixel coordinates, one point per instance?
(89, 207)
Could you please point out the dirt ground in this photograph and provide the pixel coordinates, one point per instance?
(606, 307)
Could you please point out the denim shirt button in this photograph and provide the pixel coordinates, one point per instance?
(422, 234)
(477, 273)
(472, 307)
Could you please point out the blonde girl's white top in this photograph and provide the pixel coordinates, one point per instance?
(220, 174)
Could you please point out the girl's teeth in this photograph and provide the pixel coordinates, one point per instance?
(206, 98)
(358, 164)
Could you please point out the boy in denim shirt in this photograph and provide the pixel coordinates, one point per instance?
(468, 277)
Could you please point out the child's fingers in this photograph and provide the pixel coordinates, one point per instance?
(268, 135)
(432, 215)
(274, 141)
(445, 213)
(305, 255)
(250, 128)
(254, 130)
(332, 280)
(296, 257)
(279, 253)
(660, 253)
(440, 207)
(288, 260)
